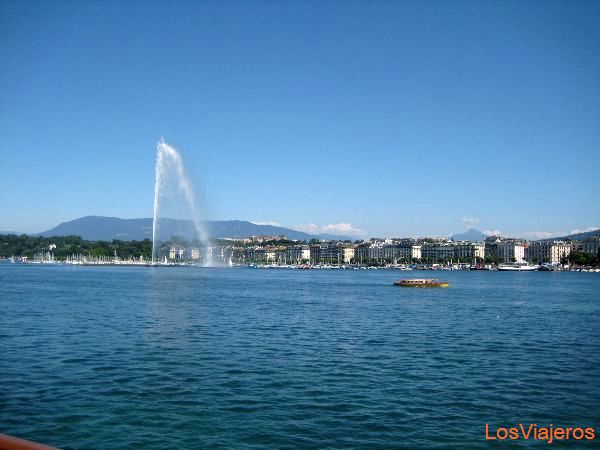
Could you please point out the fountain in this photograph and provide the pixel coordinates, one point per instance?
(171, 183)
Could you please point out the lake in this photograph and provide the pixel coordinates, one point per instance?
(183, 357)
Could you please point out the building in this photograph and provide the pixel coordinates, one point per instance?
(254, 253)
(315, 253)
(591, 246)
(346, 253)
(265, 238)
(275, 253)
(328, 253)
(490, 249)
(192, 253)
(510, 251)
(361, 253)
(336, 253)
(298, 253)
(392, 253)
(576, 246)
(469, 251)
(435, 252)
(176, 252)
(504, 250)
(551, 252)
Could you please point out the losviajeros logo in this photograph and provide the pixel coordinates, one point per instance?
(534, 432)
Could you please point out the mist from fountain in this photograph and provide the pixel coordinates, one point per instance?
(171, 182)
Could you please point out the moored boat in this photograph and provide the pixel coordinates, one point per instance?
(421, 282)
(518, 267)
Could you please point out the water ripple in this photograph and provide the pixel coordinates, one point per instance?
(147, 358)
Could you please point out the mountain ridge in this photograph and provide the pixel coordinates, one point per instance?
(103, 228)
(574, 237)
(470, 235)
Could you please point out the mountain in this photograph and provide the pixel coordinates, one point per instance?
(95, 228)
(470, 235)
(575, 237)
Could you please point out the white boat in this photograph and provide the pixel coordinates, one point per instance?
(518, 267)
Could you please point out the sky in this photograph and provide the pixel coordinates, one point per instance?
(365, 118)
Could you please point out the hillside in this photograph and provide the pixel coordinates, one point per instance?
(470, 235)
(109, 228)
(575, 237)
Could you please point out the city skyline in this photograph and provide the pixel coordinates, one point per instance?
(394, 119)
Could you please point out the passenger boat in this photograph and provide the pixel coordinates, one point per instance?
(523, 267)
(421, 282)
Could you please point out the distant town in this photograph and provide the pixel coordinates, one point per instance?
(279, 251)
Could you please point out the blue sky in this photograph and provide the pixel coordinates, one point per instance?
(372, 118)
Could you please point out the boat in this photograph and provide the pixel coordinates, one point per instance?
(480, 267)
(518, 267)
(421, 282)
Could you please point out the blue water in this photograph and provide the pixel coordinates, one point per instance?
(137, 357)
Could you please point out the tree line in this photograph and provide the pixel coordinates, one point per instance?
(29, 246)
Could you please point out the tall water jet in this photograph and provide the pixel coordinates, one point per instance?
(169, 174)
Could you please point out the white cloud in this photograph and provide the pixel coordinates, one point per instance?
(493, 232)
(577, 231)
(268, 222)
(470, 222)
(344, 228)
(334, 228)
(538, 234)
(307, 228)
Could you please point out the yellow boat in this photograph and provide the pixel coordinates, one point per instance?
(421, 282)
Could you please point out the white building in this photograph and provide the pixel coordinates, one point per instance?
(511, 251)
(548, 251)
(193, 253)
(176, 252)
(297, 253)
(379, 251)
(346, 252)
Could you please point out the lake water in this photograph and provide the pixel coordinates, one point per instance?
(138, 357)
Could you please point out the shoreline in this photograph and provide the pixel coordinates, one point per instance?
(399, 268)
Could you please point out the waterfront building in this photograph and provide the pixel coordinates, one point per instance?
(346, 253)
(221, 254)
(490, 249)
(328, 253)
(435, 252)
(511, 251)
(469, 251)
(591, 246)
(192, 253)
(394, 253)
(576, 246)
(415, 252)
(336, 253)
(548, 251)
(315, 253)
(298, 253)
(361, 253)
(305, 252)
(255, 253)
(504, 250)
(274, 253)
(265, 238)
(176, 252)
